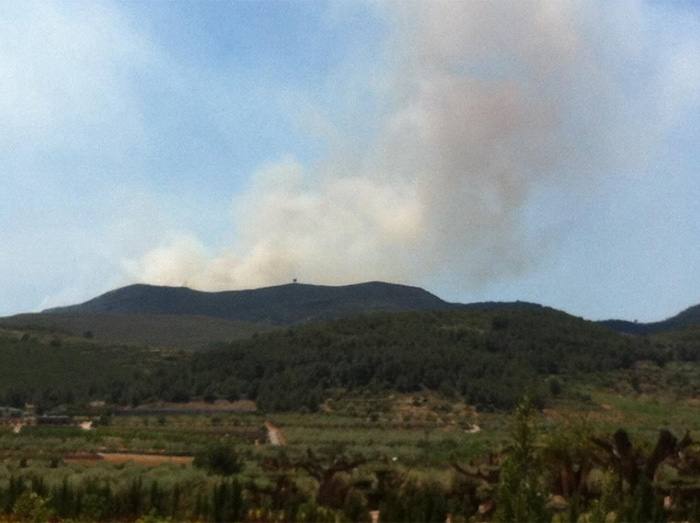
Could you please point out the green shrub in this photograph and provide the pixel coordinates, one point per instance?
(30, 506)
(219, 459)
(520, 492)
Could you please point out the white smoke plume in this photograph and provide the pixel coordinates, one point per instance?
(487, 106)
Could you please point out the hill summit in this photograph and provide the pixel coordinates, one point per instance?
(278, 305)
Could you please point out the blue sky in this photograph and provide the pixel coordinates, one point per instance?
(237, 144)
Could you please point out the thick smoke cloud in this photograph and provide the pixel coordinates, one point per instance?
(489, 108)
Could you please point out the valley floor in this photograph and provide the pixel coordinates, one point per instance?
(417, 443)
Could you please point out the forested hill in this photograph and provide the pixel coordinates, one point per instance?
(303, 303)
(280, 305)
(688, 318)
(186, 318)
(489, 357)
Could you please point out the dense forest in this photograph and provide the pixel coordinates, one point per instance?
(487, 357)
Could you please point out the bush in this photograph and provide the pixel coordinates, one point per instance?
(521, 494)
(31, 507)
(555, 387)
(219, 459)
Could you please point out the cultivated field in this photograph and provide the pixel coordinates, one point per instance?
(415, 443)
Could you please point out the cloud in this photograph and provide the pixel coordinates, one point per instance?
(485, 106)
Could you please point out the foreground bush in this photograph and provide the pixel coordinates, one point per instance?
(219, 459)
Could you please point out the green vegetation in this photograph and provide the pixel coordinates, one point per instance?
(523, 467)
(154, 330)
(49, 370)
(521, 493)
(487, 358)
(406, 413)
(219, 459)
(687, 319)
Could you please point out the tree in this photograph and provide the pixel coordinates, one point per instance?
(520, 493)
(219, 459)
(331, 491)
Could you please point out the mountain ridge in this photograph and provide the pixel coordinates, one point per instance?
(277, 305)
(294, 303)
(687, 318)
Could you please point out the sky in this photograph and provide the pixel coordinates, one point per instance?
(540, 151)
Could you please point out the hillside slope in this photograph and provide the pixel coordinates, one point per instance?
(684, 320)
(186, 318)
(155, 330)
(487, 357)
(280, 305)
(49, 369)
